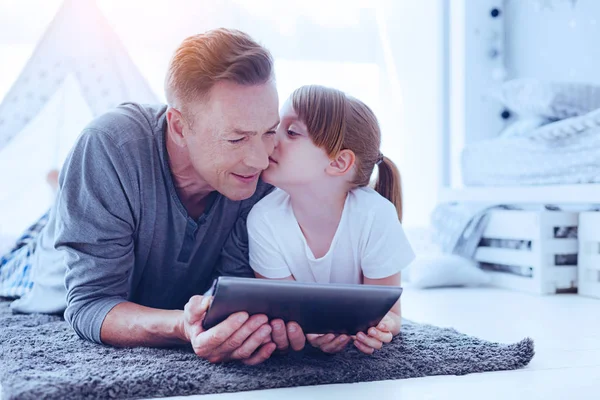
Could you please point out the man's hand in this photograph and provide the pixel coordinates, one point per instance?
(377, 336)
(237, 338)
(286, 336)
(329, 343)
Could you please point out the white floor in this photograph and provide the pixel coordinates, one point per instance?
(565, 328)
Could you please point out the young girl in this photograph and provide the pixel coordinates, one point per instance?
(324, 224)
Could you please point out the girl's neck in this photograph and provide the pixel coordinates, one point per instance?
(318, 213)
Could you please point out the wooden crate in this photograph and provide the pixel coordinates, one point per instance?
(541, 261)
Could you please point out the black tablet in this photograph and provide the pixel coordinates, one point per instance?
(318, 308)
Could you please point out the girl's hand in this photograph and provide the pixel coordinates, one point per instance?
(376, 337)
(328, 343)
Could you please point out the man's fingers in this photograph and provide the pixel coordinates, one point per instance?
(369, 341)
(247, 349)
(240, 336)
(364, 348)
(384, 337)
(279, 335)
(195, 308)
(295, 336)
(208, 341)
(261, 355)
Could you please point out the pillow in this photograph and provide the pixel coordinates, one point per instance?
(433, 268)
(445, 270)
(554, 100)
(522, 127)
(6, 244)
(585, 124)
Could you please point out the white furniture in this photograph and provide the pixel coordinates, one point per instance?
(589, 254)
(539, 259)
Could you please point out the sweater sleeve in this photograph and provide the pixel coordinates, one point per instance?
(95, 231)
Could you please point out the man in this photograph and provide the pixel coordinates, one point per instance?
(153, 202)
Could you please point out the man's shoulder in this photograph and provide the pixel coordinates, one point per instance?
(128, 122)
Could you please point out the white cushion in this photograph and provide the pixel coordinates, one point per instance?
(433, 268)
(443, 270)
(585, 124)
(522, 127)
(6, 244)
(555, 100)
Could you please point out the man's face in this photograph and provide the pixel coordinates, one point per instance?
(232, 136)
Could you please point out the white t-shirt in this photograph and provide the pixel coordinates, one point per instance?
(369, 241)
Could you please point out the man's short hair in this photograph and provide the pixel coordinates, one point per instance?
(217, 55)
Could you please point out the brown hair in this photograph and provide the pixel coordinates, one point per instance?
(217, 55)
(336, 121)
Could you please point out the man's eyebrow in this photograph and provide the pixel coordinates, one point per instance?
(252, 133)
(274, 126)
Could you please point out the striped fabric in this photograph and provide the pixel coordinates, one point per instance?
(15, 266)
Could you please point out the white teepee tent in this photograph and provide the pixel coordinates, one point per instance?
(78, 70)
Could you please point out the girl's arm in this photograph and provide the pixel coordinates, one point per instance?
(377, 336)
(395, 314)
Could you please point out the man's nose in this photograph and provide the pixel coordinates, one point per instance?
(258, 156)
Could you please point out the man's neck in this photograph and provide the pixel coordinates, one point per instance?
(193, 191)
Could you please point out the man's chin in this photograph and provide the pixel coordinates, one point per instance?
(238, 194)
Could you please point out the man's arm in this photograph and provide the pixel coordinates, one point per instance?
(96, 224)
(129, 325)
(95, 228)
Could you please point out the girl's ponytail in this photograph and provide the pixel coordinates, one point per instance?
(389, 184)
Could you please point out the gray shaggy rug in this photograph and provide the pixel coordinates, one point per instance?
(40, 357)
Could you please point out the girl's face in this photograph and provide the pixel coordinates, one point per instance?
(296, 160)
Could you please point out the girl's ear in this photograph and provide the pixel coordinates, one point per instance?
(342, 163)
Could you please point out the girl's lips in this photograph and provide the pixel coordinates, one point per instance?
(273, 161)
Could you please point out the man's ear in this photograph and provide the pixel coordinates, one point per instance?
(342, 163)
(176, 124)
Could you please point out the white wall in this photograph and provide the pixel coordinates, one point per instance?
(387, 53)
(554, 40)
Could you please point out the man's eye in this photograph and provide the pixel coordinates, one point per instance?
(270, 133)
(236, 140)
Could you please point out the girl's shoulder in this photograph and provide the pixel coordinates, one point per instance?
(366, 201)
(274, 202)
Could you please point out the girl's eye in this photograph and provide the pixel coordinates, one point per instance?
(236, 140)
(292, 133)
